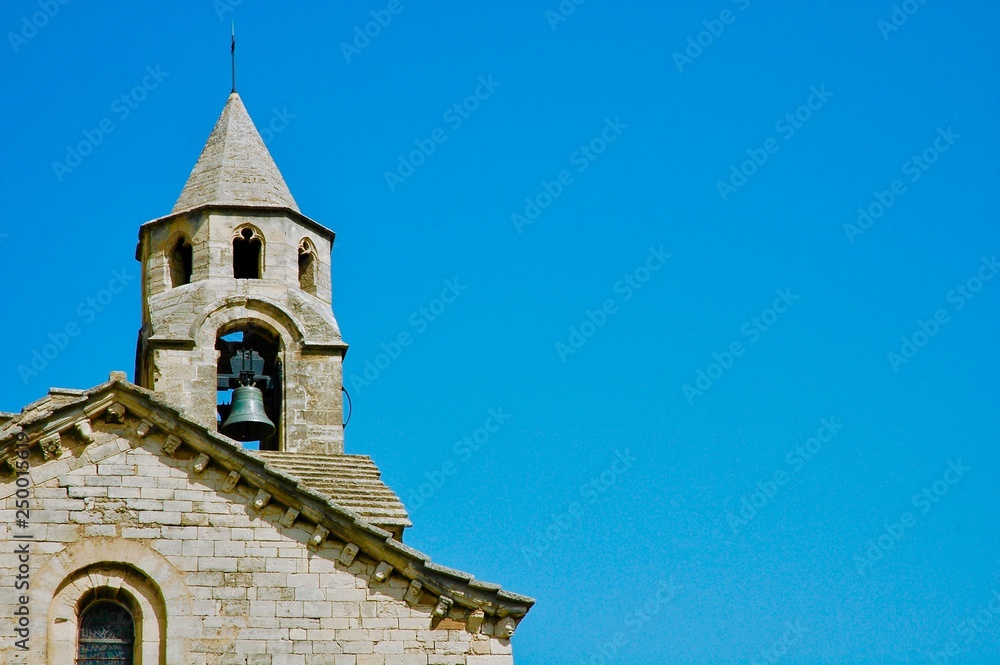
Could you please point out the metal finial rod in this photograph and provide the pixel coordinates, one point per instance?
(232, 52)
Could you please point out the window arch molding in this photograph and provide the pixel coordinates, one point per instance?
(108, 582)
(148, 577)
(248, 252)
(308, 266)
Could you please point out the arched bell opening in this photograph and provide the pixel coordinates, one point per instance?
(249, 386)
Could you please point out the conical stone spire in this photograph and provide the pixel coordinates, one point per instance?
(235, 167)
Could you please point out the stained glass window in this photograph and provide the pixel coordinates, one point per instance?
(106, 635)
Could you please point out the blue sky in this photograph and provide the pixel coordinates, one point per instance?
(734, 414)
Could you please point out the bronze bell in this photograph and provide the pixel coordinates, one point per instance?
(247, 420)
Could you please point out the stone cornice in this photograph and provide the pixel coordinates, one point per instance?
(308, 222)
(69, 409)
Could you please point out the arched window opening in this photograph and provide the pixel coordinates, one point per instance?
(249, 356)
(180, 262)
(307, 267)
(107, 635)
(248, 255)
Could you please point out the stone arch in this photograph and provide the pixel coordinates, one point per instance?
(226, 313)
(248, 252)
(128, 571)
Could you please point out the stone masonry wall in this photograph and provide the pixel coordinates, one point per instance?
(234, 586)
(184, 322)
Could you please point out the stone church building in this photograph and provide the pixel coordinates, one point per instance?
(137, 529)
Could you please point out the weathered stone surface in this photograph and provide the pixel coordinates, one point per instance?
(223, 556)
(236, 187)
(233, 583)
(181, 324)
(235, 167)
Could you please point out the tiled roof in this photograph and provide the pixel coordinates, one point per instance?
(352, 481)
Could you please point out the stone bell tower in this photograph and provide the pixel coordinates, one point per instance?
(236, 266)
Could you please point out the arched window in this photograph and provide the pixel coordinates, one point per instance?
(180, 262)
(107, 635)
(99, 579)
(307, 266)
(248, 254)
